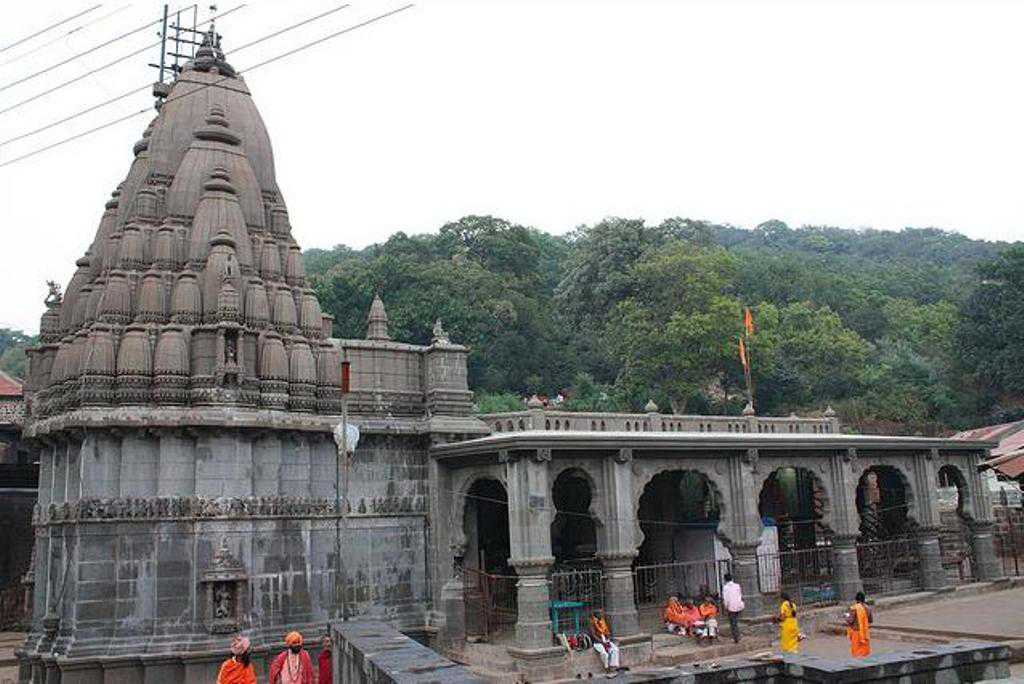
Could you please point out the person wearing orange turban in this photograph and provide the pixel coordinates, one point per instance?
(293, 665)
(238, 669)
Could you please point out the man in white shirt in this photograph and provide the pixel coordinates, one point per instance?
(732, 601)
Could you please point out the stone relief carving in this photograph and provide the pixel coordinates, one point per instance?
(128, 508)
(751, 458)
(225, 582)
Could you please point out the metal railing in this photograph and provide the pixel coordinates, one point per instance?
(805, 574)
(584, 585)
(957, 555)
(491, 601)
(889, 567)
(1009, 541)
(652, 583)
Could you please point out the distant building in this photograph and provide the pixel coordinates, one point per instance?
(1007, 458)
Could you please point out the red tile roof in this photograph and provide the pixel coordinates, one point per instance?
(9, 387)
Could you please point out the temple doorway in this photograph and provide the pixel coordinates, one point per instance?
(954, 517)
(489, 583)
(679, 512)
(887, 554)
(485, 524)
(573, 530)
(795, 555)
(795, 502)
(882, 502)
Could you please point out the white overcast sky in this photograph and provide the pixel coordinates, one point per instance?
(551, 114)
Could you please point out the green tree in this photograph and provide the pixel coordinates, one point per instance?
(988, 338)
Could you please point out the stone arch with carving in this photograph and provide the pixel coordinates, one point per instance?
(646, 471)
(587, 468)
(462, 481)
(904, 475)
(767, 469)
(966, 502)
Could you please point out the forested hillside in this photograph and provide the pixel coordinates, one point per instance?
(919, 327)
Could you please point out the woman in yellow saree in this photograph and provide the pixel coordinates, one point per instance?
(789, 628)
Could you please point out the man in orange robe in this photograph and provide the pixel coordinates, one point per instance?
(859, 628)
(677, 619)
(237, 669)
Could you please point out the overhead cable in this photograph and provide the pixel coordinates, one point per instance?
(146, 110)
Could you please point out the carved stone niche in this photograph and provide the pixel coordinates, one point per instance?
(225, 583)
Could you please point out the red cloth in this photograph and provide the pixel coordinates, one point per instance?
(325, 666)
(234, 672)
(677, 615)
(279, 664)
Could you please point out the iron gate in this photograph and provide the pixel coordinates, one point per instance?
(890, 567)
(654, 582)
(805, 574)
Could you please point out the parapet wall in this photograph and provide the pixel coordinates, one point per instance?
(374, 653)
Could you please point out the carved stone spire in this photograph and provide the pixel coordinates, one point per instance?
(378, 321)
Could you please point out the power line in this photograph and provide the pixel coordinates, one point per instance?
(64, 35)
(306, 46)
(48, 28)
(98, 69)
(84, 53)
(147, 86)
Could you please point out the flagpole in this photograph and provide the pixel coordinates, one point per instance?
(748, 331)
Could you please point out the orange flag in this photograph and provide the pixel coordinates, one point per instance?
(743, 354)
(748, 321)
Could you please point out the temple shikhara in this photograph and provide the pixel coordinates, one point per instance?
(182, 405)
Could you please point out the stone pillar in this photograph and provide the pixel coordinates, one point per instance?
(983, 545)
(744, 573)
(533, 622)
(529, 519)
(933, 576)
(453, 603)
(845, 568)
(843, 467)
(619, 600)
(745, 526)
(620, 546)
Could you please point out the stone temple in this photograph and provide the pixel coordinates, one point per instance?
(182, 402)
(182, 405)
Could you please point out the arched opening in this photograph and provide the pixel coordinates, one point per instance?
(887, 555)
(794, 502)
(679, 511)
(883, 501)
(954, 535)
(573, 530)
(485, 523)
(489, 583)
(795, 554)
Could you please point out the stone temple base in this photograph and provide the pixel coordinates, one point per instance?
(167, 668)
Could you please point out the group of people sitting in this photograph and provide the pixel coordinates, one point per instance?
(686, 617)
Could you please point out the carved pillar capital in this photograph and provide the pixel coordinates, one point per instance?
(624, 455)
(532, 566)
(617, 559)
(542, 455)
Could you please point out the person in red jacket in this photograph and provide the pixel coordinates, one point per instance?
(293, 665)
(325, 660)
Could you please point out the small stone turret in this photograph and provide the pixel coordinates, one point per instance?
(377, 328)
